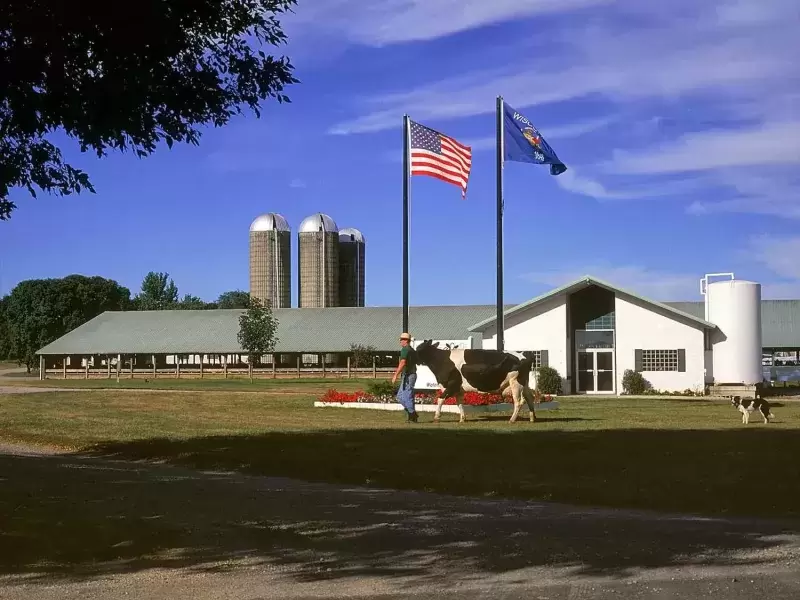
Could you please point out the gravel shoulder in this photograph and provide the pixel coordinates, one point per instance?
(155, 531)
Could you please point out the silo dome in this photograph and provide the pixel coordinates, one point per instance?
(269, 222)
(349, 234)
(317, 222)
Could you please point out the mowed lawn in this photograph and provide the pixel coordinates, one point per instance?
(690, 455)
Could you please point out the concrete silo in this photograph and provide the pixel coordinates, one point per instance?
(271, 260)
(352, 252)
(318, 262)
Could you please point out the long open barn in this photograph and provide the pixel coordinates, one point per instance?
(589, 330)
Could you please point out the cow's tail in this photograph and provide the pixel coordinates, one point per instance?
(524, 372)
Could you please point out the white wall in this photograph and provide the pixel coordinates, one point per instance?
(640, 326)
(541, 327)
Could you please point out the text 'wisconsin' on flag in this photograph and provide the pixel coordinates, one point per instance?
(524, 143)
(437, 155)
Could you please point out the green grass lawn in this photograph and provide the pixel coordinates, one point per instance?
(216, 383)
(689, 455)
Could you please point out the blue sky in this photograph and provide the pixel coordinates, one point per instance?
(679, 122)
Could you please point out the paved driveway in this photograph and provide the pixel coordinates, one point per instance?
(94, 528)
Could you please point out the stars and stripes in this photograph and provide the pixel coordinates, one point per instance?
(437, 155)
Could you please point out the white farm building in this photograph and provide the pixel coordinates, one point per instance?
(589, 330)
(592, 332)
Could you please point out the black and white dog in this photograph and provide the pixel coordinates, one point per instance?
(749, 405)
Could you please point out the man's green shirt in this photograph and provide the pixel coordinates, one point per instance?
(410, 355)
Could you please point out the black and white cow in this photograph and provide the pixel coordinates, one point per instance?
(494, 371)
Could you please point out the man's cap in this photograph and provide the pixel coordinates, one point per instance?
(405, 336)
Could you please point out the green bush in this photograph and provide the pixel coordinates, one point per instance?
(548, 380)
(634, 383)
(383, 387)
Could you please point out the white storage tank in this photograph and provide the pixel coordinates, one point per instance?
(734, 306)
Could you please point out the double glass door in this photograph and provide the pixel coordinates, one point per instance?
(596, 371)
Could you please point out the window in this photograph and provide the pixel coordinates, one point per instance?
(660, 360)
(607, 321)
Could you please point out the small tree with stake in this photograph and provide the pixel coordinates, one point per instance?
(257, 329)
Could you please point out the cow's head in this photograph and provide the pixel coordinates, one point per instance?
(427, 350)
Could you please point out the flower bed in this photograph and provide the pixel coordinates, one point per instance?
(470, 398)
(474, 402)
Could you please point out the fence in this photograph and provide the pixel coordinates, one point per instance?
(200, 370)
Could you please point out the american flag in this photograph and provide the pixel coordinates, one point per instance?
(440, 156)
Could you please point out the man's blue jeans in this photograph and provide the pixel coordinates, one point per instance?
(405, 395)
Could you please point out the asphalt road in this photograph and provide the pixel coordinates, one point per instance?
(151, 531)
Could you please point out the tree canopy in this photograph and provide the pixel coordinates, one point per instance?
(159, 292)
(126, 79)
(257, 329)
(233, 299)
(38, 311)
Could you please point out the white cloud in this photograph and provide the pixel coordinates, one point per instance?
(770, 191)
(655, 285)
(297, 184)
(765, 144)
(381, 22)
(668, 57)
(662, 286)
(778, 253)
(573, 181)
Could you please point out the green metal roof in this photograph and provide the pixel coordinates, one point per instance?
(299, 329)
(780, 321)
(583, 282)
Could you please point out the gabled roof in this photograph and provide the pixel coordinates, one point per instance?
(299, 329)
(579, 284)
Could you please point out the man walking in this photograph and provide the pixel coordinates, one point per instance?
(407, 369)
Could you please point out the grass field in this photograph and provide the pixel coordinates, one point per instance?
(689, 455)
(239, 383)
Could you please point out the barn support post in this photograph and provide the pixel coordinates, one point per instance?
(201, 366)
(132, 359)
(153, 356)
(177, 366)
(64, 366)
(298, 366)
(41, 367)
(322, 360)
(250, 368)
(274, 364)
(108, 366)
(374, 367)
(348, 366)
(224, 366)
(86, 369)
(119, 365)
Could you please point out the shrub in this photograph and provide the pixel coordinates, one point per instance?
(383, 387)
(634, 383)
(548, 380)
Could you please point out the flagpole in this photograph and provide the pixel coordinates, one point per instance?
(499, 128)
(406, 177)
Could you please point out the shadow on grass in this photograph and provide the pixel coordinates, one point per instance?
(80, 516)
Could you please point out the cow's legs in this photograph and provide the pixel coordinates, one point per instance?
(528, 394)
(460, 401)
(437, 415)
(516, 394)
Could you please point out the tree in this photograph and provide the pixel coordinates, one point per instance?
(126, 79)
(38, 311)
(190, 302)
(4, 341)
(362, 355)
(159, 292)
(257, 328)
(233, 299)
